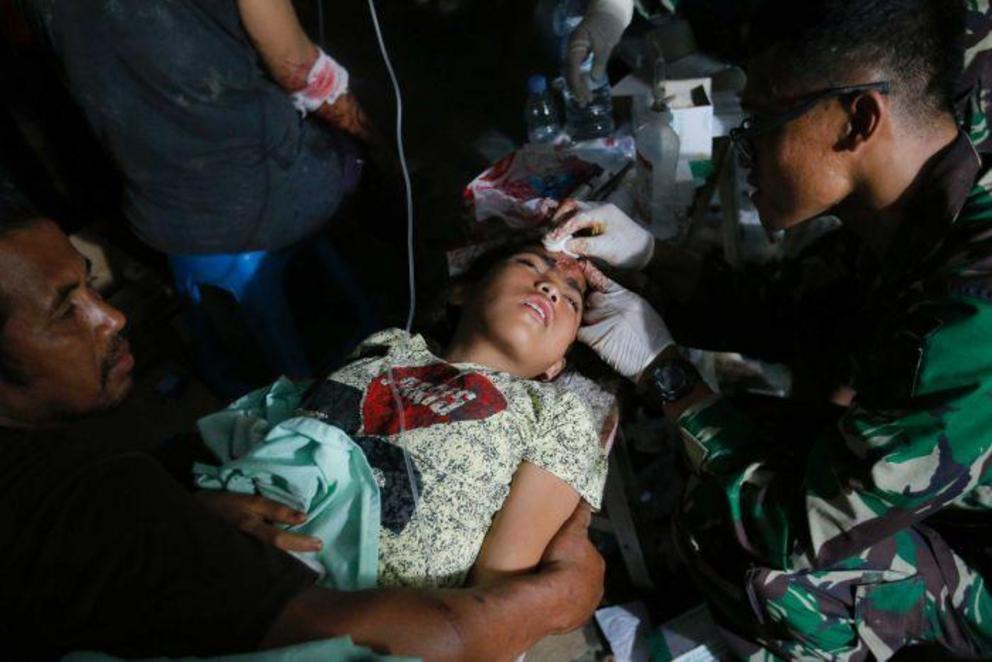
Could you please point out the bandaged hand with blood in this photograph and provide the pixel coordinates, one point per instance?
(327, 96)
(326, 83)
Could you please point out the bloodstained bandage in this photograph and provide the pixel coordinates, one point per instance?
(326, 83)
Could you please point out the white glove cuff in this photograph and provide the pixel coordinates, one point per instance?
(655, 352)
(643, 258)
(326, 83)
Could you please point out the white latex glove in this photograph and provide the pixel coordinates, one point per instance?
(617, 239)
(598, 33)
(621, 327)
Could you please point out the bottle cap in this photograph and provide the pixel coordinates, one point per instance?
(537, 84)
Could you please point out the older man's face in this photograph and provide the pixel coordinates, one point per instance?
(61, 338)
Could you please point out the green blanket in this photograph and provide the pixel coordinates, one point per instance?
(308, 465)
(339, 649)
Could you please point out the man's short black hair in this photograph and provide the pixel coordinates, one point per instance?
(16, 213)
(917, 45)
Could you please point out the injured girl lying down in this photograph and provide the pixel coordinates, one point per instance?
(478, 456)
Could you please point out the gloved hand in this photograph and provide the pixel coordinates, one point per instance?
(617, 239)
(621, 327)
(598, 33)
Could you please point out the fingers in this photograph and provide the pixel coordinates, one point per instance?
(578, 222)
(348, 115)
(578, 51)
(594, 312)
(589, 247)
(548, 208)
(260, 517)
(577, 524)
(580, 518)
(575, 217)
(591, 334)
(567, 208)
(284, 540)
(275, 512)
(600, 58)
(578, 246)
(596, 279)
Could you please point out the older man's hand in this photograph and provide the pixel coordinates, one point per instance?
(348, 115)
(260, 518)
(574, 567)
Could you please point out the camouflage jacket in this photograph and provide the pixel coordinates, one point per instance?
(917, 326)
(974, 106)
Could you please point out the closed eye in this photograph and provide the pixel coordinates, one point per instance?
(530, 263)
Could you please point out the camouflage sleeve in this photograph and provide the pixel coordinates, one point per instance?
(974, 88)
(881, 470)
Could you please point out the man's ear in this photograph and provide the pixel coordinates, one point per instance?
(553, 371)
(866, 113)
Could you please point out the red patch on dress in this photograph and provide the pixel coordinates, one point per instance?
(430, 395)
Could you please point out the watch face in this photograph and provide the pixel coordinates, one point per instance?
(673, 379)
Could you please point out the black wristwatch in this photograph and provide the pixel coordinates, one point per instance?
(670, 379)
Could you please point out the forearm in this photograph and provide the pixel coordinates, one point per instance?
(276, 32)
(788, 500)
(493, 623)
(721, 447)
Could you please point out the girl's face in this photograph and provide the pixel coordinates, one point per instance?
(530, 306)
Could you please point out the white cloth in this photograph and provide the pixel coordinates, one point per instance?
(326, 83)
(558, 245)
(616, 239)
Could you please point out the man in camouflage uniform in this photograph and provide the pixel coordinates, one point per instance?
(856, 539)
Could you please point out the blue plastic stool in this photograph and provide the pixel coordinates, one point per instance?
(256, 281)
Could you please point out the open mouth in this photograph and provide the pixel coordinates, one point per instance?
(540, 309)
(122, 361)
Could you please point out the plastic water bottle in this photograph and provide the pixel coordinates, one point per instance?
(539, 112)
(657, 147)
(595, 119)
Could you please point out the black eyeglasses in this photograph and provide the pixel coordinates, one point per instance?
(742, 137)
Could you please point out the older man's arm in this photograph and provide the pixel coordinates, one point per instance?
(496, 622)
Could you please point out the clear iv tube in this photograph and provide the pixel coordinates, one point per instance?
(403, 166)
(408, 187)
